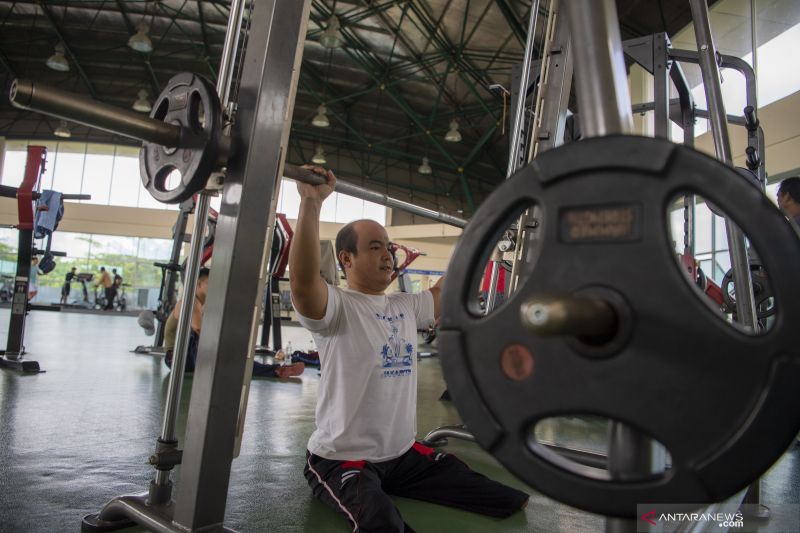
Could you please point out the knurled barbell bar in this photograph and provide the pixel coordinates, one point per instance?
(184, 133)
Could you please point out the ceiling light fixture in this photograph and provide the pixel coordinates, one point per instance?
(140, 41)
(62, 130)
(425, 167)
(320, 120)
(319, 156)
(142, 104)
(57, 61)
(332, 37)
(453, 135)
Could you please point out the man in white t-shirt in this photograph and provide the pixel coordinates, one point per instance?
(363, 448)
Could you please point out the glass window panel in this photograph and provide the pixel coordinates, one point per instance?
(702, 229)
(290, 206)
(281, 194)
(155, 249)
(97, 177)
(14, 167)
(375, 212)
(722, 263)
(349, 209)
(76, 246)
(705, 266)
(772, 192)
(125, 183)
(112, 245)
(720, 236)
(68, 168)
(329, 207)
(9, 241)
(16, 153)
(676, 225)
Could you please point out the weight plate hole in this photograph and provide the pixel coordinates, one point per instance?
(161, 109)
(703, 257)
(167, 179)
(499, 256)
(579, 443)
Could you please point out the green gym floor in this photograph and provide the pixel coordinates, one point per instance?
(79, 434)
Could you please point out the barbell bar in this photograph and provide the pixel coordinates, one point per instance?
(28, 95)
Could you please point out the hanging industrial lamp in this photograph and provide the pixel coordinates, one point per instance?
(319, 156)
(425, 167)
(142, 104)
(140, 41)
(332, 37)
(320, 120)
(57, 61)
(453, 135)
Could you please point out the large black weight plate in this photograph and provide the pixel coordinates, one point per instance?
(191, 102)
(724, 403)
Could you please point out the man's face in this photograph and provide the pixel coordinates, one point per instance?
(371, 268)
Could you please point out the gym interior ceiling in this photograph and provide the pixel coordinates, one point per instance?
(406, 69)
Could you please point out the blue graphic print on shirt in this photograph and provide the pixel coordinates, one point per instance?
(397, 353)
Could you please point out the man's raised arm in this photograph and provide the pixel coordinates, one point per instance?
(309, 292)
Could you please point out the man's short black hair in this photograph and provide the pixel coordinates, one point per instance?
(791, 186)
(203, 273)
(346, 241)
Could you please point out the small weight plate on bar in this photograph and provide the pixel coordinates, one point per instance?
(191, 102)
(762, 291)
(723, 402)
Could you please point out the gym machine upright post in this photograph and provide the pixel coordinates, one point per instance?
(27, 194)
(603, 239)
(202, 153)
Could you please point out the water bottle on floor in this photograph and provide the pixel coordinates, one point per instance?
(289, 350)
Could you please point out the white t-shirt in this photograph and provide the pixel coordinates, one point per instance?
(366, 406)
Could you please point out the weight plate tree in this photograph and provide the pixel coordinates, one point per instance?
(723, 402)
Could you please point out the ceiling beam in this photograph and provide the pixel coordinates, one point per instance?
(514, 23)
(7, 65)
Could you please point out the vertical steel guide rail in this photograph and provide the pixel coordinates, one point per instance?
(516, 134)
(605, 107)
(162, 477)
(536, 125)
(745, 301)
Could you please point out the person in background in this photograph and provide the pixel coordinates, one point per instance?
(105, 282)
(789, 198)
(171, 330)
(67, 287)
(33, 279)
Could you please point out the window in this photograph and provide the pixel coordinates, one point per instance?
(97, 173)
(14, 167)
(778, 77)
(125, 182)
(348, 209)
(68, 168)
(702, 229)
